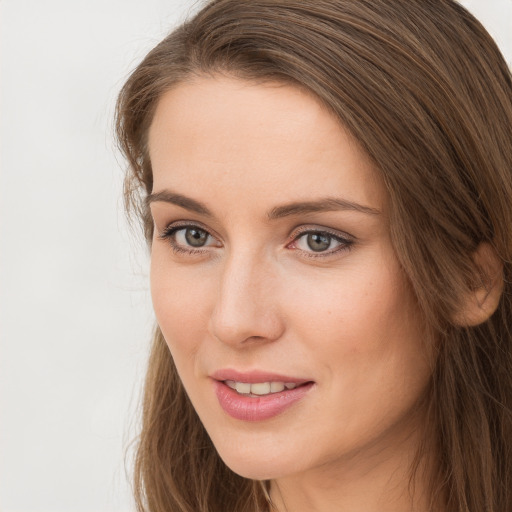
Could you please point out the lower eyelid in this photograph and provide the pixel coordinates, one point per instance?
(337, 251)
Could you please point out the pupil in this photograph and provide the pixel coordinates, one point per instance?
(318, 242)
(195, 237)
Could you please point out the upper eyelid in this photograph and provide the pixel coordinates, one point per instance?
(169, 232)
(177, 225)
(335, 233)
(346, 241)
(296, 232)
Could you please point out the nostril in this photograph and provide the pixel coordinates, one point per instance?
(246, 325)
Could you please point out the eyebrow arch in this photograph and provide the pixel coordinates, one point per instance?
(327, 204)
(185, 202)
(297, 208)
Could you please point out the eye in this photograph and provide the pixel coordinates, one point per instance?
(188, 238)
(320, 243)
(317, 242)
(194, 237)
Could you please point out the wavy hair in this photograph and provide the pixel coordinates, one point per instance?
(424, 89)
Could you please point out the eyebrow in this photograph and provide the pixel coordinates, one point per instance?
(327, 204)
(185, 202)
(287, 210)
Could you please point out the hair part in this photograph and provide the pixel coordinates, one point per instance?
(424, 89)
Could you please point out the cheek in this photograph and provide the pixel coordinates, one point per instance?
(368, 346)
(363, 327)
(181, 303)
(347, 305)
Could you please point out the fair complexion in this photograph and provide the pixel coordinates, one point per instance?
(272, 255)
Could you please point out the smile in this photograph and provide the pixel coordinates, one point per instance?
(259, 388)
(258, 396)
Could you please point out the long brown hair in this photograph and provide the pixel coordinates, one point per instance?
(426, 92)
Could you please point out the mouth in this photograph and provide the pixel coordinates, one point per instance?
(258, 389)
(258, 396)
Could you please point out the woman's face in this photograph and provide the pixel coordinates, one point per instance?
(275, 283)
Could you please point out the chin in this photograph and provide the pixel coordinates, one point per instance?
(254, 470)
(256, 463)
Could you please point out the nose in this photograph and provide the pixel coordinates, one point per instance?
(247, 307)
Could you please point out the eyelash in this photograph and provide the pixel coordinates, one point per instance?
(345, 242)
(169, 234)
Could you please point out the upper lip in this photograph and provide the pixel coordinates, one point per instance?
(255, 376)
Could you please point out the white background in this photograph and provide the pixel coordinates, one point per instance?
(75, 315)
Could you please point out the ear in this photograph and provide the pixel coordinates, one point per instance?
(483, 298)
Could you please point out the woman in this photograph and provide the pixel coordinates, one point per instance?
(326, 189)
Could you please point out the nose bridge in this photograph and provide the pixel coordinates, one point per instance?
(245, 308)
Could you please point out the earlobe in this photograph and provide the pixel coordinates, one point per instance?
(483, 299)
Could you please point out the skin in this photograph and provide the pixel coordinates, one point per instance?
(257, 297)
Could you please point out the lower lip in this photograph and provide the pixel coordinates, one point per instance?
(248, 408)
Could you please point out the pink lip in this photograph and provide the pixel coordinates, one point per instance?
(255, 376)
(248, 408)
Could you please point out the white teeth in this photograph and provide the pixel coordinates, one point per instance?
(259, 388)
(276, 387)
(243, 388)
(262, 388)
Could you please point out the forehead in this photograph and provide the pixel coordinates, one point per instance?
(256, 140)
